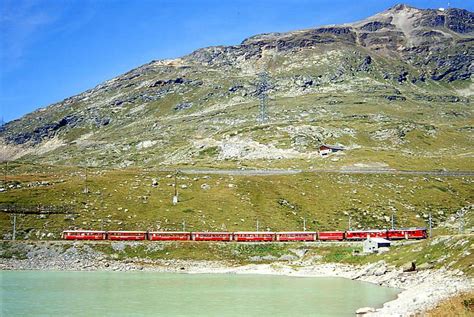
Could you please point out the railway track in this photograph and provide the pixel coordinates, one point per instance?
(270, 172)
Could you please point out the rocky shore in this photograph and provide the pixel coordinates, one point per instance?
(420, 290)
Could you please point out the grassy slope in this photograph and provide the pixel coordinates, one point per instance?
(125, 199)
(459, 306)
(439, 120)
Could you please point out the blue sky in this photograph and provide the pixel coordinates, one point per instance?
(53, 49)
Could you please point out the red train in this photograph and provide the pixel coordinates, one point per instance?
(84, 235)
(364, 234)
(168, 235)
(296, 236)
(127, 235)
(247, 236)
(410, 233)
(331, 235)
(211, 236)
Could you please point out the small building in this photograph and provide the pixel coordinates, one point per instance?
(326, 149)
(372, 245)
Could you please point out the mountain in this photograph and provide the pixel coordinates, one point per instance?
(394, 89)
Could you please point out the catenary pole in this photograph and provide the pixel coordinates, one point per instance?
(430, 224)
(14, 227)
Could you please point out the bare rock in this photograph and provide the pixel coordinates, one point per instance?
(364, 310)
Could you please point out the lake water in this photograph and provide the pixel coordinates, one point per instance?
(36, 293)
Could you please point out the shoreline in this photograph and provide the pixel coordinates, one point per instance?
(420, 290)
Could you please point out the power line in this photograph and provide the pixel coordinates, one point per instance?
(5, 173)
(430, 224)
(86, 188)
(175, 196)
(14, 227)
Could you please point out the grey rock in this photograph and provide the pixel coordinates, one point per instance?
(205, 186)
(364, 310)
(183, 106)
(366, 64)
(424, 266)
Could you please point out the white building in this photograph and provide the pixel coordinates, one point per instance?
(372, 245)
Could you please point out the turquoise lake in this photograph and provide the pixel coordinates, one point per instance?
(39, 293)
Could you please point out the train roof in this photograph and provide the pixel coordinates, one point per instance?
(254, 232)
(369, 230)
(295, 232)
(121, 231)
(187, 232)
(405, 229)
(212, 232)
(87, 231)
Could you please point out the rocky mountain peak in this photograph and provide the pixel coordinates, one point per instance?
(401, 7)
(326, 83)
(407, 18)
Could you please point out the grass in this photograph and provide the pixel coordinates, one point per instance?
(125, 199)
(230, 252)
(450, 252)
(461, 305)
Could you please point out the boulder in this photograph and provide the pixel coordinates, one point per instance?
(183, 106)
(365, 65)
(377, 269)
(364, 310)
(409, 267)
(287, 257)
(424, 266)
(381, 270)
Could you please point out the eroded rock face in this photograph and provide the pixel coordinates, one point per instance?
(376, 26)
(44, 131)
(460, 21)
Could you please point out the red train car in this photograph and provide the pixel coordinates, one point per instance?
(410, 233)
(211, 236)
(331, 235)
(169, 236)
(364, 234)
(296, 236)
(127, 235)
(84, 235)
(254, 236)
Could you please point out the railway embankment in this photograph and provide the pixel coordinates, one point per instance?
(442, 268)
